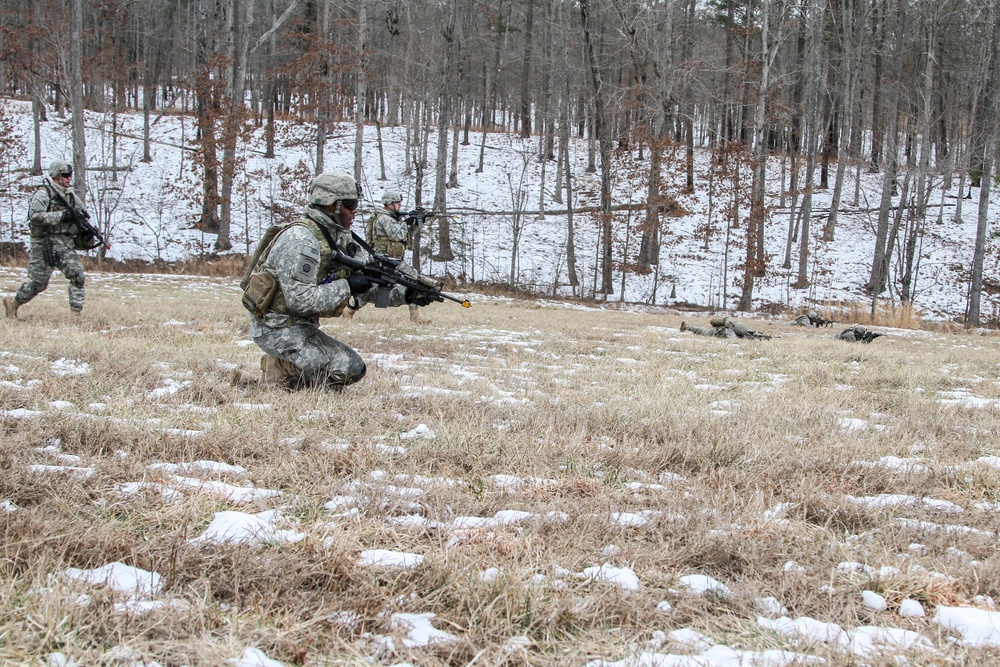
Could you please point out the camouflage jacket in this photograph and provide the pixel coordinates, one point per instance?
(45, 211)
(310, 290)
(389, 229)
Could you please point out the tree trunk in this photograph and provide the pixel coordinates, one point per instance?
(601, 132)
(529, 20)
(359, 102)
(989, 155)
(564, 130)
(76, 99)
(445, 252)
(811, 136)
(242, 20)
(206, 111)
(880, 260)
(754, 260)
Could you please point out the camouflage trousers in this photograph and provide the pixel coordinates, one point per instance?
(64, 257)
(718, 332)
(318, 358)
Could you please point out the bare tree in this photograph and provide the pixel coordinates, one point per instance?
(604, 141)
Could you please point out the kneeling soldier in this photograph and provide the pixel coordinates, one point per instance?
(292, 281)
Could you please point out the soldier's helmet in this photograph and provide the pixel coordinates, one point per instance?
(391, 197)
(740, 328)
(329, 188)
(860, 328)
(60, 167)
(811, 314)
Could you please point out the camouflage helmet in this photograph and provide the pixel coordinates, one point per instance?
(329, 188)
(812, 315)
(59, 167)
(391, 197)
(740, 328)
(860, 328)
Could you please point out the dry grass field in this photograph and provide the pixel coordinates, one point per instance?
(555, 484)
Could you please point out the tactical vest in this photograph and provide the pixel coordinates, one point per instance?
(382, 244)
(261, 290)
(54, 206)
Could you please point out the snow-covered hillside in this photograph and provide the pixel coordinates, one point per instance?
(151, 208)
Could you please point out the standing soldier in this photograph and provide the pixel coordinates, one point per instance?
(388, 233)
(293, 280)
(53, 240)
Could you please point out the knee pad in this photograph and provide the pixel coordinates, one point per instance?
(77, 280)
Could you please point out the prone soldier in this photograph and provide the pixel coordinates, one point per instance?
(858, 333)
(724, 327)
(812, 319)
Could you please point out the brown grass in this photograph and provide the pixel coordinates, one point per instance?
(588, 403)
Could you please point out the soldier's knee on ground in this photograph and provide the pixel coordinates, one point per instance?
(337, 381)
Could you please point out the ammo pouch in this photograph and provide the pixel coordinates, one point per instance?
(395, 249)
(261, 287)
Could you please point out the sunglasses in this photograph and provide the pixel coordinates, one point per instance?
(67, 175)
(350, 204)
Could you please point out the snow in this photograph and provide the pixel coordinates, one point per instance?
(700, 584)
(199, 466)
(978, 628)
(620, 576)
(150, 222)
(419, 630)
(388, 558)
(230, 527)
(253, 657)
(120, 578)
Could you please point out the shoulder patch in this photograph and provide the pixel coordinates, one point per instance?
(307, 265)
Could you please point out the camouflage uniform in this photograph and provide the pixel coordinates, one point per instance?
(48, 226)
(858, 333)
(293, 341)
(390, 235)
(725, 328)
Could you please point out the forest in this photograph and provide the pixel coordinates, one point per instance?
(905, 89)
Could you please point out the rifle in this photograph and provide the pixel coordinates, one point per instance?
(385, 272)
(88, 237)
(821, 322)
(417, 216)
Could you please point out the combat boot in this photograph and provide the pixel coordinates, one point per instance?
(240, 378)
(277, 372)
(416, 317)
(10, 305)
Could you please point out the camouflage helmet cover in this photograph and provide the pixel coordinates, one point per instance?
(860, 328)
(391, 197)
(329, 188)
(60, 167)
(740, 328)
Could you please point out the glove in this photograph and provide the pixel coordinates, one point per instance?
(359, 283)
(418, 298)
(67, 216)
